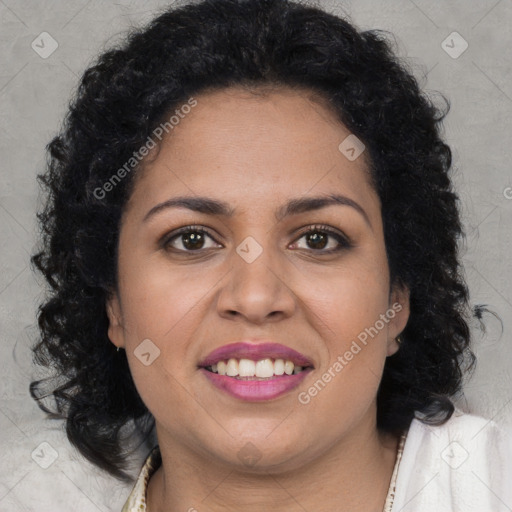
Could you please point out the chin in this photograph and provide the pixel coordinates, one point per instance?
(261, 449)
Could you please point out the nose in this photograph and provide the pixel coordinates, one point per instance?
(257, 292)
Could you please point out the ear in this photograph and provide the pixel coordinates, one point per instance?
(115, 327)
(399, 303)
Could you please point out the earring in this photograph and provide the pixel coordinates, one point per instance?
(117, 349)
(399, 339)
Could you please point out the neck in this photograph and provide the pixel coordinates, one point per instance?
(354, 475)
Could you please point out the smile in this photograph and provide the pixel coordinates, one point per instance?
(247, 368)
(255, 389)
(255, 372)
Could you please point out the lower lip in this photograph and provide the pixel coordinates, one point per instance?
(256, 390)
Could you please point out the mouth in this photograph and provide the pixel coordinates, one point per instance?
(248, 369)
(255, 372)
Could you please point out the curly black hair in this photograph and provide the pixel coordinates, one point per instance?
(211, 45)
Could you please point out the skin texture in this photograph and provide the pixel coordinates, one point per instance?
(256, 152)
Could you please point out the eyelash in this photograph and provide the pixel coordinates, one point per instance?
(344, 242)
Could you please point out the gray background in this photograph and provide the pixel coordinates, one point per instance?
(33, 95)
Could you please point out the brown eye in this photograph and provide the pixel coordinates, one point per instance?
(316, 240)
(193, 240)
(190, 239)
(323, 240)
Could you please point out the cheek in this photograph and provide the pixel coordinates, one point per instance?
(163, 311)
(347, 300)
(346, 309)
(160, 302)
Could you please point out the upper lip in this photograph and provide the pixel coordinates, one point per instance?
(256, 352)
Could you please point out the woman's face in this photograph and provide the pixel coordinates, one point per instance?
(266, 270)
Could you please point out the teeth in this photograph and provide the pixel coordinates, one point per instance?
(246, 368)
(232, 368)
(288, 367)
(263, 368)
(221, 368)
(278, 367)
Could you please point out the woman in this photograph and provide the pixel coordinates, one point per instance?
(251, 239)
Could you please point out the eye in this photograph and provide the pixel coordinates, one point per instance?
(322, 239)
(189, 239)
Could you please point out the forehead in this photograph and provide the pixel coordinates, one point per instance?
(258, 144)
(272, 124)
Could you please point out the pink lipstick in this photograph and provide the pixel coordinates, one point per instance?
(255, 352)
(255, 372)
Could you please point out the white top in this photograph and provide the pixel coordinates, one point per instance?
(464, 465)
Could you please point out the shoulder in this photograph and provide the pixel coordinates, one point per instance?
(463, 429)
(464, 464)
(136, 501)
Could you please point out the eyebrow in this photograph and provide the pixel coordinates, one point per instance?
(210, 206)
